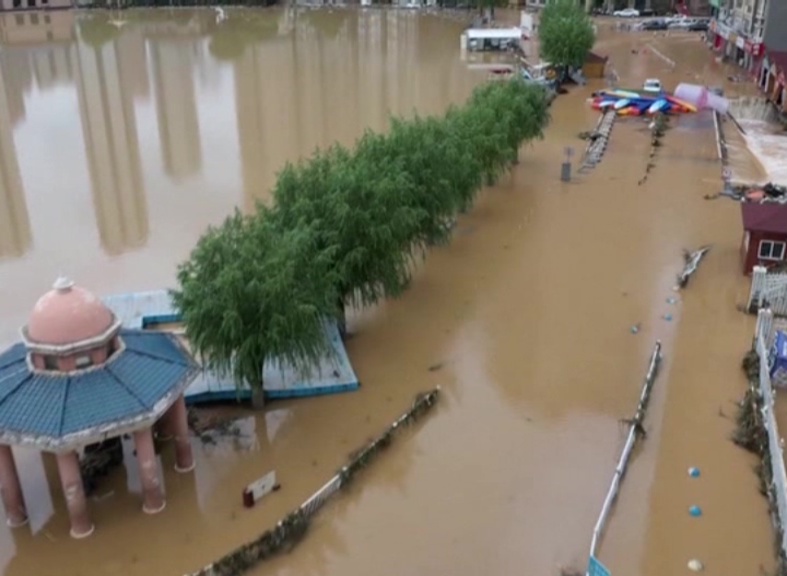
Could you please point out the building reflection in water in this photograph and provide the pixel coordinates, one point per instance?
(334, 76)
(15, 235)
(176, 107)
(34, 46)
(105, 89)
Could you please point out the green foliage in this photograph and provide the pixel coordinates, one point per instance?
(351, 207)
(345, 229)
(566, 33)
(251, 292)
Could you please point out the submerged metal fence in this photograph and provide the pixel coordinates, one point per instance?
(777, 483)
(635, 430)
(768, 291)
(290, 529)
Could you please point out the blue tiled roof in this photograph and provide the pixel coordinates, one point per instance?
(53, 406)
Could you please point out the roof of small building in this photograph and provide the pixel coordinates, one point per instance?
(55, 411)
(593, 57)
(769, 217)
(68, 314)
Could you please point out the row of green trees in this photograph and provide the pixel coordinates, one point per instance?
(346, 228)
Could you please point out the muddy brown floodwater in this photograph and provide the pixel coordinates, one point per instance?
(121, 143)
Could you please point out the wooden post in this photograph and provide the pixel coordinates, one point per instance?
(764, 325)
(756, 296)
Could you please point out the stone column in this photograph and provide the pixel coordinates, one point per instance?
(178, 425)
(11, 489)
(152, 496)
(74, 491)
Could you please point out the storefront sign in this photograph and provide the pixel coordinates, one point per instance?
(753, 48)
(740, 42)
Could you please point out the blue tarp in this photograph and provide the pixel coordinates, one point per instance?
(778, 360)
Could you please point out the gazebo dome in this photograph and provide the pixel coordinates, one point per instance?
(68, 314)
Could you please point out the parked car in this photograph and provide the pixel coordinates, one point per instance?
(683, 23)
(698, 26)
(656, 24)
(627, 13)
(652, 85)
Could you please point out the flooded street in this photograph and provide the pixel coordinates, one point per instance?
(120, 144)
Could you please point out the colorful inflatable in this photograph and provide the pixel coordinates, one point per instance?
(640, 103)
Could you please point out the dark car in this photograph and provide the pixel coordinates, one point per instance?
(698, 26)
(654, 25)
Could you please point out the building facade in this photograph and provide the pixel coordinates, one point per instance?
(751, 33)
(8, 5)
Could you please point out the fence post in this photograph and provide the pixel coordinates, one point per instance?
(764, 325)
(757, 293)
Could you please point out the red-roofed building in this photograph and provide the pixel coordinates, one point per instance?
(764, 235)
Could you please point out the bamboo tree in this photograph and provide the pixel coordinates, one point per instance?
(251, 293)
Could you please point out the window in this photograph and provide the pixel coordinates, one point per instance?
(83, 362)
(31, 3)
(50, 363)
(770, 250)
(34, 19)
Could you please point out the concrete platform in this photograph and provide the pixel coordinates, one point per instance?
(141, 310)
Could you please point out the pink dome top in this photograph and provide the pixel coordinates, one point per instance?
(68, 314)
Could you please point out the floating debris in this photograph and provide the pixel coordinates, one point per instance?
(667, 317)
(692, 261)
(694, 472)
(769, 193)
(695, 511)
(695, 565)
(636, 328)
(672, 300)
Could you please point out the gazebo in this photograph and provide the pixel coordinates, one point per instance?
(78, 378)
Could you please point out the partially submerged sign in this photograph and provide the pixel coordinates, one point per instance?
(259, 488)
